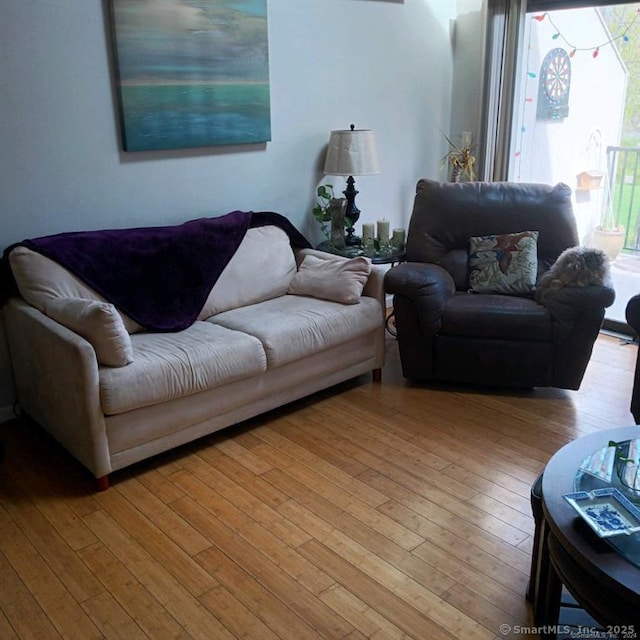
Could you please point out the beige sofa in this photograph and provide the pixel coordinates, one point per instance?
(113, 394)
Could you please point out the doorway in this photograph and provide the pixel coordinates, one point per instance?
(575, 118)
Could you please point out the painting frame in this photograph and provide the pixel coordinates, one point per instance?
(191, 73)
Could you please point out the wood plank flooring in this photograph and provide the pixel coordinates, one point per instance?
(381, 511)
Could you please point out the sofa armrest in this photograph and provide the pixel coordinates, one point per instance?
(56, 375)
(373, 288)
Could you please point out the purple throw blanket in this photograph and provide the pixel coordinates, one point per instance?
(159, 276)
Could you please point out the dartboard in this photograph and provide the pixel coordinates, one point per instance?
(555, 81)
(557, 74)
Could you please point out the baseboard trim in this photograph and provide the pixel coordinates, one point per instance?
(617, 327)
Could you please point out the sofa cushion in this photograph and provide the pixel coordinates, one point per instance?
(97, 322)
(172, 365)
(504, 263)
(334, 279)
(292, 327)
(260, 269)
(41, 280)
(496, 316)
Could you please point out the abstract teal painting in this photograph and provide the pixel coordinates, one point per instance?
(191, 73)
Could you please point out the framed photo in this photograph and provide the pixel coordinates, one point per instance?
(191, 73)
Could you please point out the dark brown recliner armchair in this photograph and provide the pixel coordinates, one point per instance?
(446, 333)
(632, 312)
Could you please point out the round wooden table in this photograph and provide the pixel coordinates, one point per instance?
(601, 580)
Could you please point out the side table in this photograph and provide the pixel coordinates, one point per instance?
(391, 256)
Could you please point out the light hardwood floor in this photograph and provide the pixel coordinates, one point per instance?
(380, 511)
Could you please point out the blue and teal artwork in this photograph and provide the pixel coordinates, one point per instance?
(191, 73)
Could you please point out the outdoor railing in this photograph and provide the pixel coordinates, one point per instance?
(624, 183)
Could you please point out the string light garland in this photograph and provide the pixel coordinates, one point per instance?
(573, 49)
(595, 50)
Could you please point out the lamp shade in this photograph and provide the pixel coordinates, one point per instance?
(351, 153)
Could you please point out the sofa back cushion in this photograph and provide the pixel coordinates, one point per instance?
(41, 280)
(446, 214)
(262, 268)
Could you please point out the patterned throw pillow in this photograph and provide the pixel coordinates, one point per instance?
(506, 263)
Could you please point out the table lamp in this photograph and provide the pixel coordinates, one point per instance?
(351, 152)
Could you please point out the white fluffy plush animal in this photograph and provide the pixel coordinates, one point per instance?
(575, 267)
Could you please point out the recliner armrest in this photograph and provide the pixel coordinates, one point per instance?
(580, 298)
(428, 286)
(576, 314)
(632, 313)
(420, 293)
(418, 279)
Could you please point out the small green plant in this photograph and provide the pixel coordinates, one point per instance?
(627, 469)
(322, 210)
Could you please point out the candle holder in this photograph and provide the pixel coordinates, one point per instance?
(337, 207)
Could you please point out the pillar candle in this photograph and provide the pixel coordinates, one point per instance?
(367, 233)
(398, 238)
(383, 231)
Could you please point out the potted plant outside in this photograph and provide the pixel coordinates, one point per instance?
(609, 240)
(608, 235)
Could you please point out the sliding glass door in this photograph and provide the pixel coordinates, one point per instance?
(568, 110)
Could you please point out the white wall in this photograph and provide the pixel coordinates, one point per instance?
(468, 56)
(384, 65)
